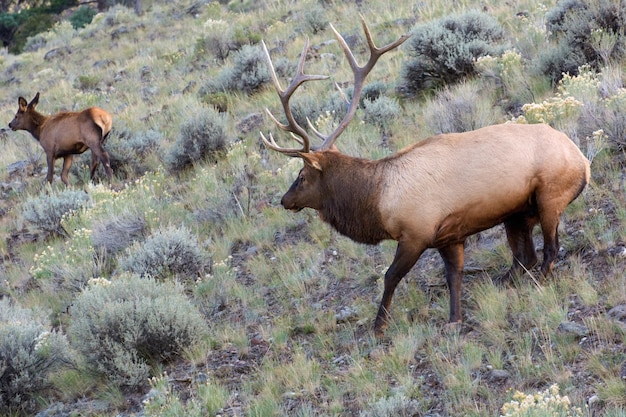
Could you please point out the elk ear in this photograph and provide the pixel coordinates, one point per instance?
(311, 160)
(21, 102)
(34, 101)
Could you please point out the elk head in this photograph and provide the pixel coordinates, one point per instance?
(27, 118)
(307, 188)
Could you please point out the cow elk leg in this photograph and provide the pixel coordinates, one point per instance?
(67, 164)
(98, 154)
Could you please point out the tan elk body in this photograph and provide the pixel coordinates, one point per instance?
(436, 193)
(66, 134)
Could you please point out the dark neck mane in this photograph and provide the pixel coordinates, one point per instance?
(353, 188)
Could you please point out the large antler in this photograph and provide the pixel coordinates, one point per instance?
(360, 73)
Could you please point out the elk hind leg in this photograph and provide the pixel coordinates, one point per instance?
(453, 258)
(67, 164)
(519, 230)
(549, 218)
(98, 154)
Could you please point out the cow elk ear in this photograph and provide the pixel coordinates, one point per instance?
(311, 160)
(34, 101)
(21, 102)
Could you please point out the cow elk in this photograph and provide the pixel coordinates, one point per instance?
(437, 192)
(66, 134)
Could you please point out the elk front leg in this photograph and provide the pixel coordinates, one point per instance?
(50, 161)
(453, 258)
(405, 258)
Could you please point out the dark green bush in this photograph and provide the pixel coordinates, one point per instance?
(583, 32)
(373, 91)
(170, 251)
(82, 17)
(202, 137)
(29, 352)
(125, 326)
(46, 210)
(444, 51)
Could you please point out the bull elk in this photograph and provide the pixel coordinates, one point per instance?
(437, 192)
(66, 134)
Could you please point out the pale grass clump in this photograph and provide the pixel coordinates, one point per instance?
(162, 400)
(460, 108)
(491, 313)
(68, 265)
(548, 403)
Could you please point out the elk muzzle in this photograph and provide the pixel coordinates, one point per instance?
(288, 202)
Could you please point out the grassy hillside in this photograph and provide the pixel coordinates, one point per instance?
(186, 289)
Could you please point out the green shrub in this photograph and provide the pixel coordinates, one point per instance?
(248, 74)
(170, 251)
(202, 137)
(222, 38)
(445, 50)
(82, 17)
(381, 113)
(46, 211)
(373, 91)
(86, 82)
(124, 326)
(583, 32)
(314, 20)
(31, 25)
(29, 352)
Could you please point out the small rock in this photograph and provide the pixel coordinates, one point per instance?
(594, 399)
(618, 312)
(346, 314)
(573, 328)
(499, 375)
(290, 395)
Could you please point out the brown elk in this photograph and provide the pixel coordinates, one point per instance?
(66, 134)
(437, 192)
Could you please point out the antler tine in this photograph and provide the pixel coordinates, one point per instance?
(360, 73)
(285, 95)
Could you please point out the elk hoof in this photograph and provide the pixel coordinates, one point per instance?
(379, 329)
(453, 327)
